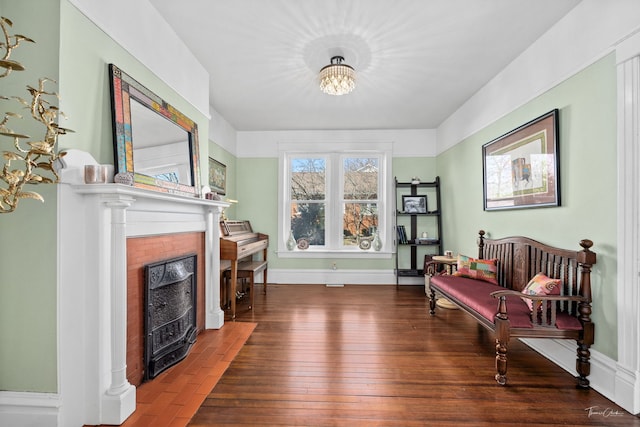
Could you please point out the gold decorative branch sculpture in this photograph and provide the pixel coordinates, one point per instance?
(10, 43)
(40, 156)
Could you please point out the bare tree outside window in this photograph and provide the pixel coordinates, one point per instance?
(360, 207)
(308, 194)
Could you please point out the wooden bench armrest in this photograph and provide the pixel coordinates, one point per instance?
(429, 268)
(506, 292)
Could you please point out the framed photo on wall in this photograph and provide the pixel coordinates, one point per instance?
(217, 177)
(414, 204)
(521, 168)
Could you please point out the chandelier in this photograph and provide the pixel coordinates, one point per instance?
(337, 78)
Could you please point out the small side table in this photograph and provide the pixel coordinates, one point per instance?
(450, 263)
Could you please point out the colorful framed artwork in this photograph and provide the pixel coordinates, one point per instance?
(521, 168)
(217, 177)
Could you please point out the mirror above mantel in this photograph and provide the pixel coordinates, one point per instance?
(152, 140)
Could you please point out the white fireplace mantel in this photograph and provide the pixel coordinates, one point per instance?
(94, 222)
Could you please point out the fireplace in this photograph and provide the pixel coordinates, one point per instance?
(145, 251)
(98, 226)
(169, 312)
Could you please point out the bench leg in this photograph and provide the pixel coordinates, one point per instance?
(432, 301)
(502, 340)
(583, 364)
(264, 282)
(251, 290)
(501, 363)
(225, 301)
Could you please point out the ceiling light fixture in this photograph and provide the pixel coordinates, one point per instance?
(337, 78)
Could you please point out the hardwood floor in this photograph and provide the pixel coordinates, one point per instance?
(372, 355)
(171, 399)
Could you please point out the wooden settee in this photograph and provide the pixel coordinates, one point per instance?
(502, 309)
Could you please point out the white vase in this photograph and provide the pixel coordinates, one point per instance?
(291, 242)
(377, 243)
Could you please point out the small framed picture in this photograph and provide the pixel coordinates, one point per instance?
(217, 176)
(414, 204)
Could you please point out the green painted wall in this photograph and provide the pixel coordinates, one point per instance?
(28, 251)
(588, 180)
(405, 168)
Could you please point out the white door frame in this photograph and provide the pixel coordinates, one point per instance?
(627, 382)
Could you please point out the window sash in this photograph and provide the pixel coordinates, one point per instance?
(356, 221)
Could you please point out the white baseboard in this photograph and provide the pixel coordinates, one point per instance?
(605, 375)
(25, 409)
(628, 389)
(331, 277)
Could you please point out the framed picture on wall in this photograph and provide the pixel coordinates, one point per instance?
(217, 176)
(521, 168)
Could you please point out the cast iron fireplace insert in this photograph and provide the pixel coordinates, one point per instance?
(170, 312)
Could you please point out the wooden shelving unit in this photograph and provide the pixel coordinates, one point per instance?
(429, 219)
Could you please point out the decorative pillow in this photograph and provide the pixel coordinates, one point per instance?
(481, 269)
(541, 285)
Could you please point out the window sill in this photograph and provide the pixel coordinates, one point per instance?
(325, 253)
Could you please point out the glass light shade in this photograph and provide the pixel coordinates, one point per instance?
(337, 78)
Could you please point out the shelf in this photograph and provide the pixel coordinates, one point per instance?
(422, 184)
(400, 213)
(434, 243)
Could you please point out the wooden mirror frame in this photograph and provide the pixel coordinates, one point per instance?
(123, 89)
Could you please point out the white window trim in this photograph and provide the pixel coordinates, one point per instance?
(385, 212)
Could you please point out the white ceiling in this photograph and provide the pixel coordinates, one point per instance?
(417, 61)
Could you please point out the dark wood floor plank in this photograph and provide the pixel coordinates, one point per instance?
(372, 356)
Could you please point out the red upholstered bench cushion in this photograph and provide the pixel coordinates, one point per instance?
(476, 294)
